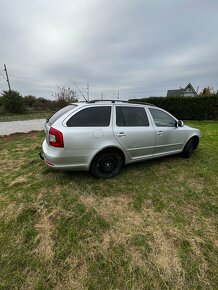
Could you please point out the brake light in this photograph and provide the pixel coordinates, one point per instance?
(56, 138)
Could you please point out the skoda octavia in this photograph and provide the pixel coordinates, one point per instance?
(103, 136)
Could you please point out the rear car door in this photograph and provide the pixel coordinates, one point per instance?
(133, 131)
(169, 137)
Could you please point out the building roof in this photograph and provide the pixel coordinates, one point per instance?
(190, 86)
(181, 91)
(172, 93)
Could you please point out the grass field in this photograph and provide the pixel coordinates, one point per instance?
(153, 226)
(6, 117)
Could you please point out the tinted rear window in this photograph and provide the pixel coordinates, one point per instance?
(59, 113)
(91, 117)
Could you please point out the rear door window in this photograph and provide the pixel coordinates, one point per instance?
(91, 117)
(131, 117)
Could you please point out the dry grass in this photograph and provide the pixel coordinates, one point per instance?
(153, 226)
(44, 239)
(163, 237)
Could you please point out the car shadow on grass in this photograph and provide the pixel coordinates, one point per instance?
(126, 170)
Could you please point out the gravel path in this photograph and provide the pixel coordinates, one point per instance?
(7, 128)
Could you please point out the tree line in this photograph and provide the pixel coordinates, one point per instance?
(13, 102)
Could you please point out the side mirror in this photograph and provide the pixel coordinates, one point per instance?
(180, 123)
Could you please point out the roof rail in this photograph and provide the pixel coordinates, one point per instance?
(120, 101)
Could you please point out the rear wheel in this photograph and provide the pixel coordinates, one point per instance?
(189, 148)
(106, 164)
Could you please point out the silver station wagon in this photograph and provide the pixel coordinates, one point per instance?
(103, 136)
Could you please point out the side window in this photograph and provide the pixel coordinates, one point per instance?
(131, 117)
(162, 119)
(91, 117)
(59, 113)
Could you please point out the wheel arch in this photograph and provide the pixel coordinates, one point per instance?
(195, 138)
(107, 149)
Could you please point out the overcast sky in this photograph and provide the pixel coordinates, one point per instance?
(137, 47)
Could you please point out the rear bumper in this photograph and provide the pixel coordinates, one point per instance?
(61, 159)
(41, 155)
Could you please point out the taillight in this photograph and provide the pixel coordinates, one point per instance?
(56, 138)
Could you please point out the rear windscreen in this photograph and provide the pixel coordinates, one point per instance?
(59, 113)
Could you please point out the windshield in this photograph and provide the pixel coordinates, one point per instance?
(59, 113)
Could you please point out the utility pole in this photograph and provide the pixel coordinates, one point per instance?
(88, 92)
(80, 91)
(5, 69)
(118, 95)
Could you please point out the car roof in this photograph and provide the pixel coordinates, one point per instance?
(103, 102)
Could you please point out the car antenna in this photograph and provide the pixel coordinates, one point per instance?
(80, 91)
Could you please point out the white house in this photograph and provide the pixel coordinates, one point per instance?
(188, 91)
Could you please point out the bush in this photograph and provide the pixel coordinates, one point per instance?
(13, 102)
(30, 101)
(187, 108)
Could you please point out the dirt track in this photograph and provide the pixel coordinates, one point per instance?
(7, 128)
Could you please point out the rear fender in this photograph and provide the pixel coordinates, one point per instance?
(124, 155)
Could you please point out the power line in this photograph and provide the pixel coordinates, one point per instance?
(3, 77)
(31, 79)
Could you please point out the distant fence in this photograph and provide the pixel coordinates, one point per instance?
(187, 108)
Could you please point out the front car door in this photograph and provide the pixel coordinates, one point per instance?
(133, 131)
(169, 137)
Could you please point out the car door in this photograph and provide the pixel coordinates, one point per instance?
(133, 131)
(169, 137)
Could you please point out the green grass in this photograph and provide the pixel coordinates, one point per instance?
(6, 117)
(152, 226)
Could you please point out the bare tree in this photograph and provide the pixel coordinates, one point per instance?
(65, 96)
(208, 91)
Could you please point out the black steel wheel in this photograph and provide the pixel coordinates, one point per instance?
(106, 164)
(189, 149)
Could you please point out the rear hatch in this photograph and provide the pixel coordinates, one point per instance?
(55, 117)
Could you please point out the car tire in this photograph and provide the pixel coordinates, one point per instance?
(106, 164)
(189, 149)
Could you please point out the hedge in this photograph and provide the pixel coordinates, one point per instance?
(187, 108)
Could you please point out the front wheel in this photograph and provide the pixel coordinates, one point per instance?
(189, 149)
(106, 164)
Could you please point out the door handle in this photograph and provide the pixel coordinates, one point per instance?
(160, 133)
(121, 134)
